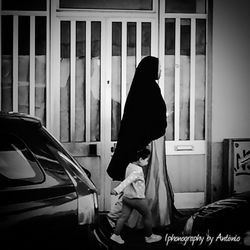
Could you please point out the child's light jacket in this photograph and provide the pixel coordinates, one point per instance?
(134, 184)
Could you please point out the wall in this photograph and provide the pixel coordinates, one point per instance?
(230, 80)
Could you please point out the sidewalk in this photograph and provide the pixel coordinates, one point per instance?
(134, 239)
(223, 224)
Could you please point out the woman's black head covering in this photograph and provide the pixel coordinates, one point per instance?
(148, 69)
(144, 117)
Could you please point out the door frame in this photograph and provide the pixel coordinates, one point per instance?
(175, 147)
(189, 147)
(109, 200)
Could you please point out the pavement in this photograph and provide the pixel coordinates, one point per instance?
(134, 238)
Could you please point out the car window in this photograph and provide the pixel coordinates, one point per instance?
(39, 142)
(17, 164)
(64, 157)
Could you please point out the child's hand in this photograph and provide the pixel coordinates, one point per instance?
(113, 192)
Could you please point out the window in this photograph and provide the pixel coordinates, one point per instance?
(7, 64)
(126, 51)
(39, 143)
(185, 77)
(108, 4)
(52, 156)
(24, 5)
(24, 65)
(185, 6)
(17, 164)
(75, 107)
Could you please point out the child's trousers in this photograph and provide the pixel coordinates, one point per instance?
(141, 205)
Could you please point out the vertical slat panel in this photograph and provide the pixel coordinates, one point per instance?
(124, 65)
(54, 88)
(177, 80)
(47, 82)
(103, 79)
(103, 111)
(32, 66)
(154, 38)
(138, 42)
(1, 37)
(72, 78)
(107, 121)
(88, 78)
(15, 64)
(162, 48)
(192, 80)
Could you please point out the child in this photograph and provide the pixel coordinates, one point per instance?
(134, 197)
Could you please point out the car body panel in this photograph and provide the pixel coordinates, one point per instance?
(43, 189)
(225, 222)
(59, 211)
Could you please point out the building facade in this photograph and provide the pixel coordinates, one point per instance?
(71, 64)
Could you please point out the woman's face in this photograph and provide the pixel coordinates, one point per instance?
(159, 70)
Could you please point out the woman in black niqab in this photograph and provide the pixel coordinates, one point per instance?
(144, 117)
(144, 124)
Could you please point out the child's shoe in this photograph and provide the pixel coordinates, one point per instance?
(117, 239)
(153, 238)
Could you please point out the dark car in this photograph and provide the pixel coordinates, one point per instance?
(224, 224)
(46, 197)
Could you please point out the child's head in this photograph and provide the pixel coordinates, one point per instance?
(141, 157)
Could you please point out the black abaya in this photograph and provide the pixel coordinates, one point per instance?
(144, 118)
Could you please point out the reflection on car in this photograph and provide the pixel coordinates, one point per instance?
(225, 222)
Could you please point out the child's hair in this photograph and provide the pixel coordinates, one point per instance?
(142, 153)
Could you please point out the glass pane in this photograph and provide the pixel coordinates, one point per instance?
(46, 153)
(169, 72)
(116, 79)
(131, 53)
(146, 39)
(24, 5)
(40, 68)
(17, 164)
(185, 6)
(95, 81)
(80, 81)
(200, 79)
(14, 165)
(185, 79)
(7, 61)
(108, 4)
(201, 6)
(65, 82)
(23, 63)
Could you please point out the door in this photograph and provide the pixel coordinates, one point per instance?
(96, 58)
(130, 40)
(183, 53)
